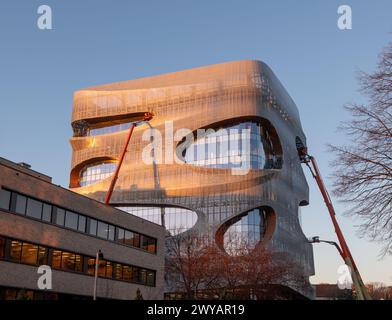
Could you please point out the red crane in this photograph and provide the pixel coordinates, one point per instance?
(146, 117)
(310, 162)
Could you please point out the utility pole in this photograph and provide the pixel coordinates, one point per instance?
(98, 256)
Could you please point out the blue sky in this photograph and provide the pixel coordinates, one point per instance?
(96, 42)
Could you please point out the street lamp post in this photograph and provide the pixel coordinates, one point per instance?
(98, 256)
(333, 243)
(354, 279)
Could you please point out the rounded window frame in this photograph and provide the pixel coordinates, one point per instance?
(269, 229)
(276, 149)
(77, 170)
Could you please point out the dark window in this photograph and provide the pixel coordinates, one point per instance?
(150, 278)
(5, 198)
(56, 259)
(111, 230)
(136, 240)
(60, 215)
(47, 212)
(146, 242)
(20, 206)
(82, 224)
(128, 238)
(2, 247)
(34, 208)
(120, 235)
(10, 294)
(16, 250)
(93, 227)
(29, 253)
(152, 245)
(19, 294)
(135, 274)
(131, 238)
(42, 256)
(143, 276)
(102, 230)
(71, 220)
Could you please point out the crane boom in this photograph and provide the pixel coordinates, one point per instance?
(310, 162)
(146, 117)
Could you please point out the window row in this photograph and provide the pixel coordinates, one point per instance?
(34, 254)
(36, 209)
(109, 129)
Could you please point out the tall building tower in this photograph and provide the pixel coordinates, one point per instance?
(224, 160)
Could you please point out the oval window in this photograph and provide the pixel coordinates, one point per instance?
(249, 144)
(96, 172)
(242, 233)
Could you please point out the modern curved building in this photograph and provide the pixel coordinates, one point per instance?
(223, 159)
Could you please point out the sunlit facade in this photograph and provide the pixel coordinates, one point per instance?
(241, 177)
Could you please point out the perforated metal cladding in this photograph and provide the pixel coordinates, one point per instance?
(193, 99)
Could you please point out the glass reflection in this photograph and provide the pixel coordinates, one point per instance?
(246, 232)
(245, 145)
(109, 129)
(176, 220)
(96, 172)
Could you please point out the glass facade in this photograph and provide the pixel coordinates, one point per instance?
(96, 172)
(40, 210)
(246, 232)
(34, 254)
(245, 145)
(177, 220)
(109, 129)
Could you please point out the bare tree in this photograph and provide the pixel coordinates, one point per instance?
(190, 264)
(379, 291)
(197, 267)
(363, 170)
